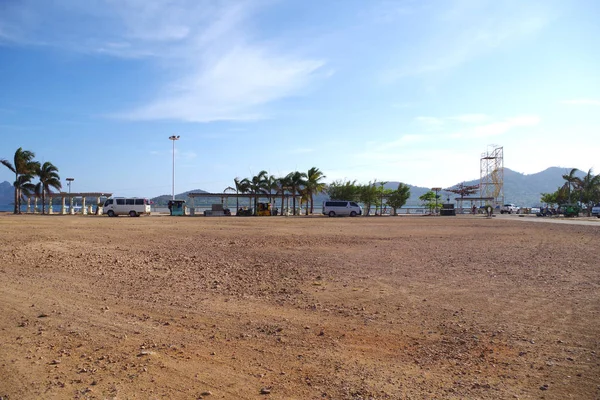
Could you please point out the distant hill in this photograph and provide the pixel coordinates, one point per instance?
(7, 193)
(163, 200)
(523, 190)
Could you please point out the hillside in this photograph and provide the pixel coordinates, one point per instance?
(523, 190)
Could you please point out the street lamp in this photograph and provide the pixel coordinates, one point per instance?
(69, 180)
(173, 138)
(436, 190)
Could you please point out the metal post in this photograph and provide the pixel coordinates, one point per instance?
(173, 138)
(69, 180)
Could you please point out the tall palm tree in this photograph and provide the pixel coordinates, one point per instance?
(241, 186)
(588, 188)
(314, 185)
(570, 179)
(297, 180)
(283, 184)
(49, 178)
(24, 168)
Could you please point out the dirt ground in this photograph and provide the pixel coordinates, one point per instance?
(298, 308)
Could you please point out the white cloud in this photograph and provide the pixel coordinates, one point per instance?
(582, 102)
(213, 65)
(471, 118)
(501, 127)
(466, 30)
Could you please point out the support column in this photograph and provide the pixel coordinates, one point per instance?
(71, 210)
(28, 204)
(63, 209)
(35, 205)
(83, 209)
(50, 205)
(98, 206)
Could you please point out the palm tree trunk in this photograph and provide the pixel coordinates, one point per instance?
(43, 202)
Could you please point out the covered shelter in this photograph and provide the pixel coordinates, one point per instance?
(85, 209)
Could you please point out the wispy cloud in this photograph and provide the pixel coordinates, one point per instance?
(582, 102)
(465, 30)
(214, 66)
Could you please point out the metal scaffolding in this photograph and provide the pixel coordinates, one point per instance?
(491, 176)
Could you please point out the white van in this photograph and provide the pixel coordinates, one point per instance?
(337, 207)
(132, 206)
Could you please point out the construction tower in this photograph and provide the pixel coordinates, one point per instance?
(491, 176)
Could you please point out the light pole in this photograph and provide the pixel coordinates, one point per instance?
(69, 180)
(173, 138)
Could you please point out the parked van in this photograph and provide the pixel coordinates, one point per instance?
(337, 207)
(132, 206)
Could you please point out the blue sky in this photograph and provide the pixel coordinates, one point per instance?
(411, 91)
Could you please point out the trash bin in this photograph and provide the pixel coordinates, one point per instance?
(177, 207)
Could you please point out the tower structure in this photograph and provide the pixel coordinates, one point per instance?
(491, 175)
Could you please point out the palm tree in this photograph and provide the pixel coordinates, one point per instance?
(570, 179)
(296, 181)
(283, 184)
(589, 189)
(23, 167)
(314, 185)
(49, 178)
(256, 185)
(241, 186)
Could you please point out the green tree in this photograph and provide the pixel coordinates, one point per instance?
(368, 195)
(284, 184)
(588, 189)
(571, 180)
(49, 179)
(24, 168)
(297, 180)
(339, 190)
(397, 198)
(314, 185)
(257, 185)
(430, 200)
(549, 198)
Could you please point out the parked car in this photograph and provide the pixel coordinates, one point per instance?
(596, 210)
(509, 208)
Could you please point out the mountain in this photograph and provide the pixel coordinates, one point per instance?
(523, 190)
(163, 200)
(7, 193)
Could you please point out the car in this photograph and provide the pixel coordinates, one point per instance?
(509, 208)
(596, 210)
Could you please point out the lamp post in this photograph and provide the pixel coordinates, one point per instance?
(436, 190)
(69, 180)
(173, 138)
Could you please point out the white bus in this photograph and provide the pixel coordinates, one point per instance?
(132, 206)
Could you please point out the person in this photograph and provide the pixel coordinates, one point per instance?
(474, 209)
(170, 205)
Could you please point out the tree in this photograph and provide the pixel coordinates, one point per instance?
(429, 200)
(314, 185)
(283, 184)
(339, 190)
(256, 185)
(368, 195)
(296, 180)
(588, 189)
(239, 188)
(49, 178)
(570, 179)
(463, 190)
(24, 168)
(397, 198)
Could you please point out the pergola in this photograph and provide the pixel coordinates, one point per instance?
(70, 196)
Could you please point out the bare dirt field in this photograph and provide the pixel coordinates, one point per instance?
(298, 308)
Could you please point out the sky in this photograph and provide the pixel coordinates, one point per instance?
(410, 91)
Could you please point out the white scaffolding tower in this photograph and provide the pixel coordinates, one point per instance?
(491, 176)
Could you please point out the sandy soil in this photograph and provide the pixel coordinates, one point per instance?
(298, 308)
